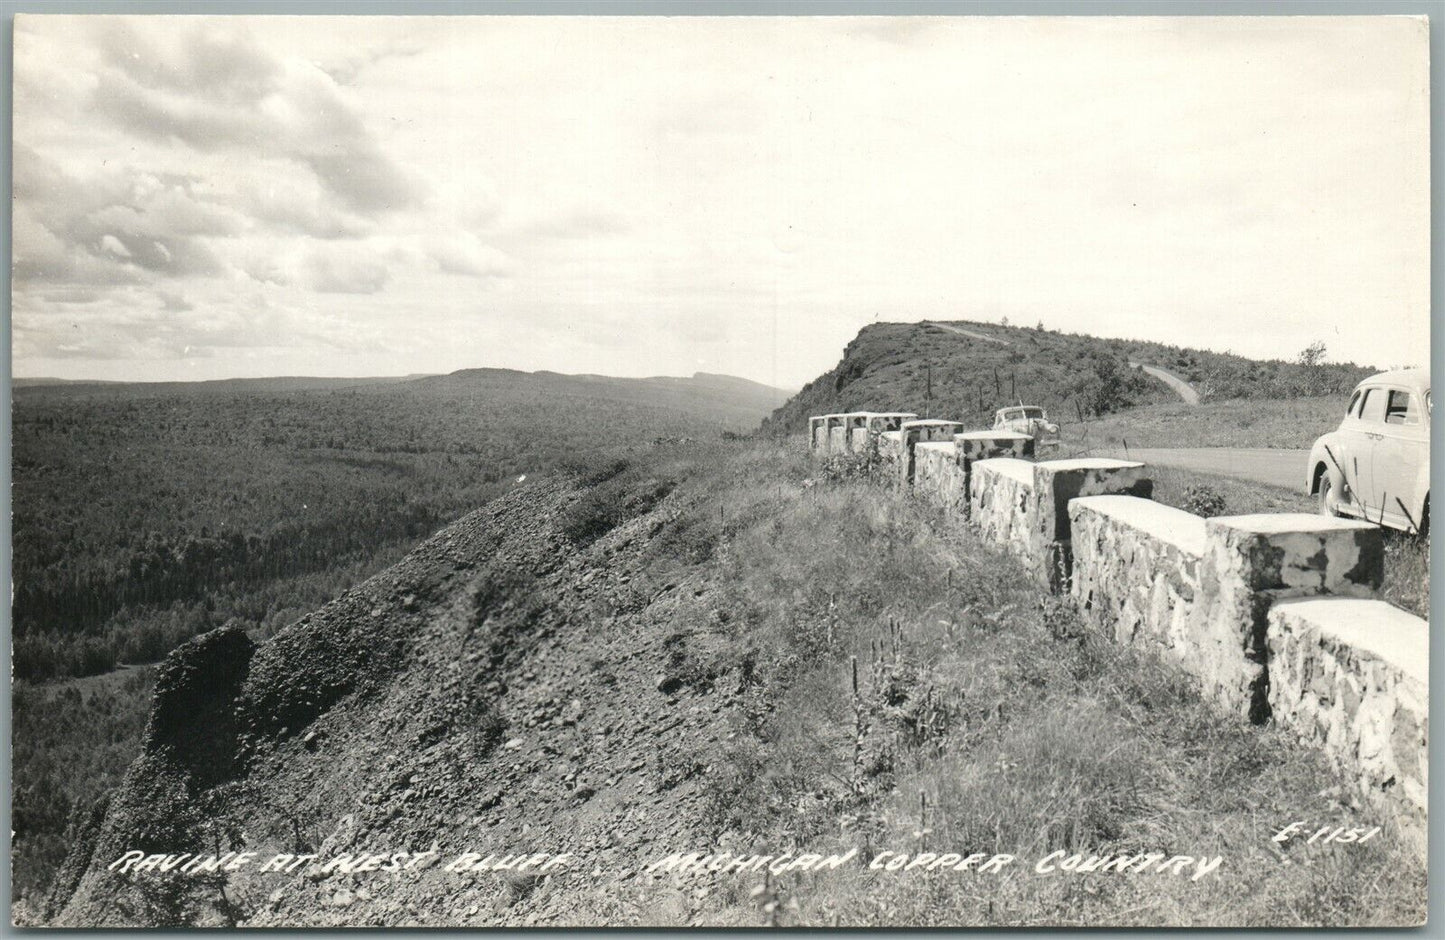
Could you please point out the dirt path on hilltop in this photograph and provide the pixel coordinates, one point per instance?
(1187, 393)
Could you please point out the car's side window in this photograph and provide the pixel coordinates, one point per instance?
(1399, 410)
(1354, 400)
(1372, 409)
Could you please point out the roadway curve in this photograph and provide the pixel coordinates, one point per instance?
(1183, 388)
(1283, 468)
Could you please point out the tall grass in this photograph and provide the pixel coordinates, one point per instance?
(987, 718)
(1254, 422)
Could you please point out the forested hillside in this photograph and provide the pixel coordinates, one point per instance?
(146, 514)
(967, 370)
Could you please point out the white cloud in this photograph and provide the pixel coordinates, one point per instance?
(632, 195)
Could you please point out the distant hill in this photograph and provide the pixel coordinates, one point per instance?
(732, 402)
(967, 370)
(280, 383)
(735, 403)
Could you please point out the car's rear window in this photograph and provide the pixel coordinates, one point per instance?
(1400, 409)
(1354, 400)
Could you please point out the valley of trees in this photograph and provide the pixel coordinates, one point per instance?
(145, 516)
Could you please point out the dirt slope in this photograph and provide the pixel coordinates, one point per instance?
(417, 712)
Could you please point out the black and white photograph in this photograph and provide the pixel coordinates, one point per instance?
(747, 471)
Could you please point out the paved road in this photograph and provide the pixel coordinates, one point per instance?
(1285, 468)
(1185, 390)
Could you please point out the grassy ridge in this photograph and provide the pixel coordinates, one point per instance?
(936, 372)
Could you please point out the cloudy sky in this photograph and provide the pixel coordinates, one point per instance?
(206, 197)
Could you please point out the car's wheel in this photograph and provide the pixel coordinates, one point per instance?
(1327, 493)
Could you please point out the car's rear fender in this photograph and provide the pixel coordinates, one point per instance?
(1327, 452)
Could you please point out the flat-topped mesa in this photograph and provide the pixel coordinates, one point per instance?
(864, 427)
(912, 433)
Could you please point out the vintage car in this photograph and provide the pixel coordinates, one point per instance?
(1030, 420)
(1376, 466)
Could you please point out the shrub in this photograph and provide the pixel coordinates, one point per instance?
(841, 468)
(1203, 500)
(608, 505)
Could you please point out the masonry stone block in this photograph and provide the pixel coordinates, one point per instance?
(973, 446)
(984, 445)
(915, 432)
(1056, 482)
(866, 427)
(1351, 675)
(835, 432)
(817, 442)
(1000, 494)
(1300, 553)
(1136, 568)
(938, 475)
(1249, 563)
(890, 452)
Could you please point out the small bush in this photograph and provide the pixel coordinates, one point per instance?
(842, 468)
(1203, 500)
(608, 505)
(593, 469)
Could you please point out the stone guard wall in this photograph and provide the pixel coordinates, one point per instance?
(913, 433)
(1275, 614)
(937, 472)
(1349, 675)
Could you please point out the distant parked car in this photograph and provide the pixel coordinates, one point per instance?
(1376, 466)
(1028, 419)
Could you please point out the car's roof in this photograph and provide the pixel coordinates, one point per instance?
(1416, 377)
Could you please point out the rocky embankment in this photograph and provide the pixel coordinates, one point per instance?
(504, 689)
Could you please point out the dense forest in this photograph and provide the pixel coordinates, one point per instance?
(938, 372)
